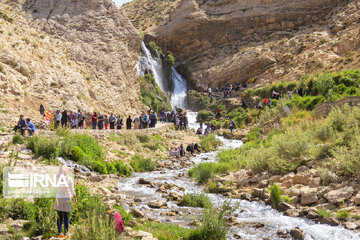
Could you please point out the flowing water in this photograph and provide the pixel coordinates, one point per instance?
(248, 213)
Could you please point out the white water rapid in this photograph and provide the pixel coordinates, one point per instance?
(179, 93)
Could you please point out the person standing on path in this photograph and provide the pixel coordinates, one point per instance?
(58, 118)
(100, 121)
(137, 123)
(128, 123)
(94, 120)
(119, 122)
(106, 122)
(112, 121)
(42, 110)
(65, 192)
(81, 119)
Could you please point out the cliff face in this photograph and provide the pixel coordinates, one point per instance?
(68, 54)
(228, 41)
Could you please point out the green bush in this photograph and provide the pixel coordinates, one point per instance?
(204, 116)
(202, 172)
(275, 194)
(209, 143)
(196, 200)
(343, 215)
(18, 139)
(214, 224)
(323, 212)
(152, 96)
(122, 169)
(141, 164)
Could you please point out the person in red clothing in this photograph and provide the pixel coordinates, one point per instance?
(265, 101)
(116, 217)
(218, 112)
(94, 120)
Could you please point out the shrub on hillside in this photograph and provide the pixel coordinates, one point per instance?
(204, 116)
(141, 164)
(275, 194)
(196, 200)
(18, 139)
(209, 143)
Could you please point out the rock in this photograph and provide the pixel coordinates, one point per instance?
(105, 191)
(283, 206)
(3, 229)
(303, 178)
(293, 191)
(350, 225)
(294, 200)
(292, 213)
(137, 213)
(357, 199)
(330, 221)
(282, 233)
(302, 169)
(308, 195)
(25, 238)
(312, 214)
(157, 204)
(241, 174)
(18, 224)
(96, 178)
(340, 195)
(174, 196)
(328, 206)
(242, 182)
(315, 182)
(144, 181)
(297, 234)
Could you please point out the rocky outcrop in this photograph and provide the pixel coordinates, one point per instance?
(68, 54)
(223, 42)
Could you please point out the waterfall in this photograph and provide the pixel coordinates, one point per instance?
(179, 93)
(153, 65)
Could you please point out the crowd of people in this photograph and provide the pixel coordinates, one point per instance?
(181, 151)
(24, 125)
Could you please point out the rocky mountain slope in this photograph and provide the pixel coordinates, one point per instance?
(229, 41)
(67, 54)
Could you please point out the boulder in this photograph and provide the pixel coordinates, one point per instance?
(3, 229)
(157, 204)
(104, 190)
(18, 224)
(308, 195)
(293, 192)
(283, 206)
(350, 225)
(357, 199)
(340, 195)
(144, 181)
(137, 213)
(297, 234)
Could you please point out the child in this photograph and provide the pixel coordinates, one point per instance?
(106, 122)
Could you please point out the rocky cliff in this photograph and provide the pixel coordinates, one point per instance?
(67, 54)
(227, 41)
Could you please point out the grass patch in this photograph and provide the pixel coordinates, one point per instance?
(209, 143)
(196, 200)
(141, 164)
(164, 231)
(342, 215)
(323, 212)
(18, 139)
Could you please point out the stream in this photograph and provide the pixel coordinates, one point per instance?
(248, 214)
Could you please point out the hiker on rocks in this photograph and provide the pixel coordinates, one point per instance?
(232, 125)
(182, 151)
(128, 123)
(211, 98)
(21, 125)
(106, 122)
(119, 122)
(213, 127)
(64, 119)
(81, 119)
(153, 120)
(42, 110)
(141, 121)
(116, 217)
(190, 149)
(172, 152)
(217, 89)
(94, 120)
(290, 93)
(199, 131)
(177, 152)
(112, 121)
(65, 192)
(100, 121)
(209, 91)
(137, 123)
(196, 148)
(74, 122)
(30, 127)
(207, 131)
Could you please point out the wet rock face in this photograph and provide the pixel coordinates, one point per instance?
(84, 59)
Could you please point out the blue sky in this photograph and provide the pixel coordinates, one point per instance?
(120, 2)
